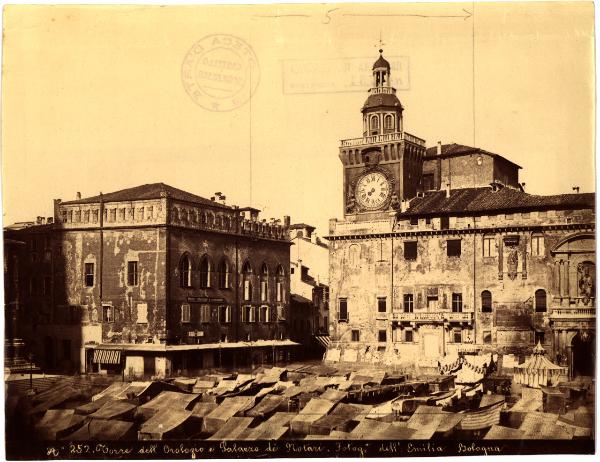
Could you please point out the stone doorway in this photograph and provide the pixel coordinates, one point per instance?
(584, 354)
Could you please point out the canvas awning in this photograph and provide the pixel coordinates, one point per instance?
(102, 356)
(104, 430)
(538, 370)
(164, 422)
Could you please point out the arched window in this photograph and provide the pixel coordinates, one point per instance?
(218, 221)
(279, 285)
(205, 271)
(374, 122)
(264, 286)
(247, 276)
(210, 219)
(202, 218)
(540, 301)
(224, 281)
(486, 301)
(389, 122)
(185, 272)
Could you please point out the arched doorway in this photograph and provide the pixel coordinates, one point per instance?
(584, 354)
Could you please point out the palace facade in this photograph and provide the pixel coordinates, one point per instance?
(441, 251)
(153, 281)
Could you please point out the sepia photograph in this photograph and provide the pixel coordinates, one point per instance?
(299, 230)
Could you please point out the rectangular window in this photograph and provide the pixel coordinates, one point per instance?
(113, 215)
(95, 215)
(410, 250)
(445, 222)
(185, 313)
(428, 220)
(457, 303)
(343, 314)
(224, 314)
(382, 336)
(539, 337)
(122, 214)
(264, 314)
(89, 275)
(489, 246)
(77, 216)
(132, 273)
(142, 313)
(414, 221)
(247, 290)
(204, 313)
(457, 336)
(428, 182)
(150, 212)
(408, 303)
(408, 336)
(107, 313)
(249, 313)
(356, 336)
(263, 291)
(86, 216)
(381, 305)
(453, 248)
(279, 289)
(487, 336)
(537, 245)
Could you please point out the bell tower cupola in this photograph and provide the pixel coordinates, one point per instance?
(382, 112)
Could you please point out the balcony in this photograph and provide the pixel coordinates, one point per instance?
(433, 316)
(574, 313)
(383, 138)
(574, 302)
(382, 90)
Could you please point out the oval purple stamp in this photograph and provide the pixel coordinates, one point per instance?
(220, 72)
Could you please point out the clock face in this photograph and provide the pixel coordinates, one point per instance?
(372, 190)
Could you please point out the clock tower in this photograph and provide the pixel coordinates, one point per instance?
(384, 166)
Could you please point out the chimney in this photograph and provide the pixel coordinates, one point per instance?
(439, 148)
(77, 195)
(404, 205)
(39, 221)
(286, 221)
(50, 220)
(447, 189)
(576, 189)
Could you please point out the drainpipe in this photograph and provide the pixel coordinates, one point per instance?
(101, 256)
(474, 285)
(236, 312)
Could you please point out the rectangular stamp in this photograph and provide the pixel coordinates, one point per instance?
(306, 76)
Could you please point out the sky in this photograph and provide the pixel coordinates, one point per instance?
(94, 99)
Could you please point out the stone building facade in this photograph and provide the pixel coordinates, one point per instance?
(309, 277)
(153, 281)
(465, 262)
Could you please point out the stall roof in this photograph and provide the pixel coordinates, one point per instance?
(172, 400)
(313, 411)
(232, 428)
(164, 422)
(113, 390)
(342, 414)
(335, 396)
(226, 410)
(281, 419)
(540, 425)
(202, 409)
(498, 432)
(93, 406)
(114, 409)
(57, 422)
(264, 432)
(104, 430)
(267, 405)
(56, 398)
